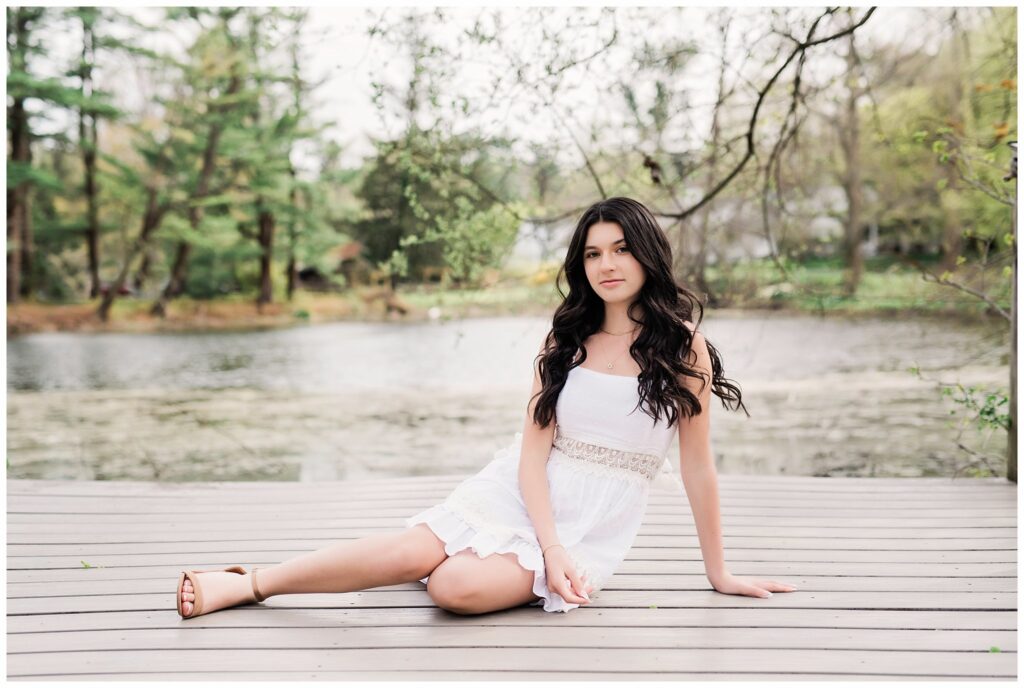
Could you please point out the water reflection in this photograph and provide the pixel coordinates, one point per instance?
(351, 400)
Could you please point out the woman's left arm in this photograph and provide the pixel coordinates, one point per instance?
(700, 479)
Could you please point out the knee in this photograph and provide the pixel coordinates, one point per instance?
(453, 591)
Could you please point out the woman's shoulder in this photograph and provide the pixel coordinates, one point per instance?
(697, 353)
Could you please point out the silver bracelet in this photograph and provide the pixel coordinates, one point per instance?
(545, 550)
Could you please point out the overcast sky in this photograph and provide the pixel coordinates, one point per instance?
(337, 47)
(342, 51)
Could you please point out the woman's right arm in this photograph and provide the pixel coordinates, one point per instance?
(533, 484)
(533, 472)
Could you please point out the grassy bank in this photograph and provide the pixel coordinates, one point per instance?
(887, 288)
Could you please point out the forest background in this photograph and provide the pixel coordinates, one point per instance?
(178, 168)
(795, 157)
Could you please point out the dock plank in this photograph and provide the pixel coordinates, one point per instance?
(898, 579)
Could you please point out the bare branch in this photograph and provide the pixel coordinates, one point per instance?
(762, 94)
(929, 276)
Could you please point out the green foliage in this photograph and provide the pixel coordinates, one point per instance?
(18, 173)
(934, 158)
(432, 196)
(983, 409)
(472, 239)
(477, 240)
(425, 209)
(451, 195)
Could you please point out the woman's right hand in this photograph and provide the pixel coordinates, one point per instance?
(562, 576)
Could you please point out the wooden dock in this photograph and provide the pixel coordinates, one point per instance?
(897, 579)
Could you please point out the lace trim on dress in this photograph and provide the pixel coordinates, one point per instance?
(557, 458)
(633, 466)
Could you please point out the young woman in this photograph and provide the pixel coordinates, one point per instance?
(622, 369)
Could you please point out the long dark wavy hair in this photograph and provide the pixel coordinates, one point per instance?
(664, 344)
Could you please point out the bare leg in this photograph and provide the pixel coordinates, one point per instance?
(378, 560)
(386, 559)
(466, 584)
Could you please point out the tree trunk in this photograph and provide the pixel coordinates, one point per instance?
(19, 233)
(679, 253)
(27, 248)
(176, 282)
(698, 271)
(266, 239)
(93, 228)
(150, 221)
(17, 199)
(291, 275)
(142, 274)
(849, 135)
(952, 230)
(1011, 458)
(290, 270)
(87, 139)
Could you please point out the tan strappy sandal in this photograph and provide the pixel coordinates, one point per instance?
(197, 605)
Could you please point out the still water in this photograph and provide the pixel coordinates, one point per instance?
(356, 400)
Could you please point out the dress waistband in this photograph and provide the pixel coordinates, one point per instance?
(634, 463)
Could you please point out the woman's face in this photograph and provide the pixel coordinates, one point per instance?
(606, 256)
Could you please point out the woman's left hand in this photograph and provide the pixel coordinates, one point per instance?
(753, 587)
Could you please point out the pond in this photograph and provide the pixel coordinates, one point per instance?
(359, 400)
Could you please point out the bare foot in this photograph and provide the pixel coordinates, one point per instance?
(221, 589)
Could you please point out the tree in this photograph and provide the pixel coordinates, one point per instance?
(92, 106)
(425, 207)
(849, 137)
(24, 177)
(21, 175)
(88, 140)
(224, 77)
(430, 191)
(264, 148)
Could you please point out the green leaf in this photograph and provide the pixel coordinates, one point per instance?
(125, 172)
(208, 201)
(23, 85)
(20, 172)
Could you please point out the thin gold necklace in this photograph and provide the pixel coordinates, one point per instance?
(619, 334)
(610, 365)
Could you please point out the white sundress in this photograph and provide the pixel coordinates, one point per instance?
(604, 457)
